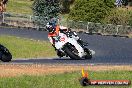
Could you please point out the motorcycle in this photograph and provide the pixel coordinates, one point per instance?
(67, 45)
(5, 54)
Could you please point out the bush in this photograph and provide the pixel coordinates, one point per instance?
(65, 6)
(119, 17)
(130, 20)
(90, 10)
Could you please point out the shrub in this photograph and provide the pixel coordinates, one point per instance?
(65, 6)
(90, 10)
(119, 17)
(130, 19)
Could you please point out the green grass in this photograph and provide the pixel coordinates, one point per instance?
(66, 80)
(19, 6)
(25, 48)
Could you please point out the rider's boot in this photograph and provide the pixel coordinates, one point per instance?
(59, 53)
(54, 47)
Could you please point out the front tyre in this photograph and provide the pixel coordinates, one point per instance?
(5, 55)
(70, 52)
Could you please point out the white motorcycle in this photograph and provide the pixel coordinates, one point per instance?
(67, 45)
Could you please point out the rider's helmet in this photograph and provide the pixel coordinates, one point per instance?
(50, 28)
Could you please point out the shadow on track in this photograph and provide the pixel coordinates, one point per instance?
(49, 61)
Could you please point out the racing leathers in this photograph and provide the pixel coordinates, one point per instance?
(54, 34)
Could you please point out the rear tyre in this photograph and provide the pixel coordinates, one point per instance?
(70, 53)
(88, 54)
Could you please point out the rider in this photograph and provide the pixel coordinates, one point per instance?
(53, 30)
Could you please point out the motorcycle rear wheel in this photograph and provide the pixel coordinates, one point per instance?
(70, 53)
(88, 54)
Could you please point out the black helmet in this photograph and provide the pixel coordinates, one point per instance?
(49, 28)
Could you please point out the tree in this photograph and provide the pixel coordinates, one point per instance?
(65, 5)
(44, 10)
(90, 10)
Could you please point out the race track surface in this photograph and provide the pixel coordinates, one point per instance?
(25, 33)
(109, 49)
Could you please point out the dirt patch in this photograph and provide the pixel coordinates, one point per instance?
(9, 70)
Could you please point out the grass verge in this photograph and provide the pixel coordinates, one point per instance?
(25, 48)
(65, 80)
(20, 6)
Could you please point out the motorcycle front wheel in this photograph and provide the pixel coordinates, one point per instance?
(5, 55)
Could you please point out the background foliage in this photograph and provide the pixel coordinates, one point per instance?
(65, 5)
(45, 10)
(78, 10)
(90, 10)
(119, 17)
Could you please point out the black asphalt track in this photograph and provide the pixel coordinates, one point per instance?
(108, 49)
